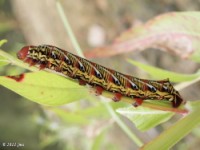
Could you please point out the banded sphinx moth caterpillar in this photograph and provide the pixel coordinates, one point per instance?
(99, 77)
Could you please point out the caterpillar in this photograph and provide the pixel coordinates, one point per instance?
(99, 77)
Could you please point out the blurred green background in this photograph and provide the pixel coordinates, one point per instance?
(24, 22)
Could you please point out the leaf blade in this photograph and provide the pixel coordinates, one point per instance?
(45, 88)
(178, 130)
(145, 118)
(163, 74)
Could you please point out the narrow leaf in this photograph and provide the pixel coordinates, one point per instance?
(163, 74)
(177, 131)
(145, 118)
(45, 88)
(3, 42)
(3, 61)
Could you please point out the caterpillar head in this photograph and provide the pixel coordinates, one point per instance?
(22, 54)
(33, 55)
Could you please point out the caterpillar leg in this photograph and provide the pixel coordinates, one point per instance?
(81, 82)
(117, 97)
(42, 66)
(137, 102)
(30, 61)
(98, 90)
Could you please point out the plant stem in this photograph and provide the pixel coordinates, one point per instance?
(68, 28)
(132, 136)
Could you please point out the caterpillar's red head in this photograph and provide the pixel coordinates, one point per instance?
(22, 54)
(25, 55)
(36, 55)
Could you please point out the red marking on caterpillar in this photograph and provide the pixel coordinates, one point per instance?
(99, 77)
(17, 78)
(99, 90)
(138, 102)
(81, 82)
(117, 97)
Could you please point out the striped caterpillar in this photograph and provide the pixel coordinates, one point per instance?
(99, 77)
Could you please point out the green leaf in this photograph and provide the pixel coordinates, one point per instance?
(178, 130)
(46, 88)
(3, 42)
(163, 74)
(145, 118)
(3, 61)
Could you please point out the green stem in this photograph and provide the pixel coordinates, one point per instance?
(78, 49)
(132, 136)
(68, 28)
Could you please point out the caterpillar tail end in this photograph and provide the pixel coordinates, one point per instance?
(178, 101)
